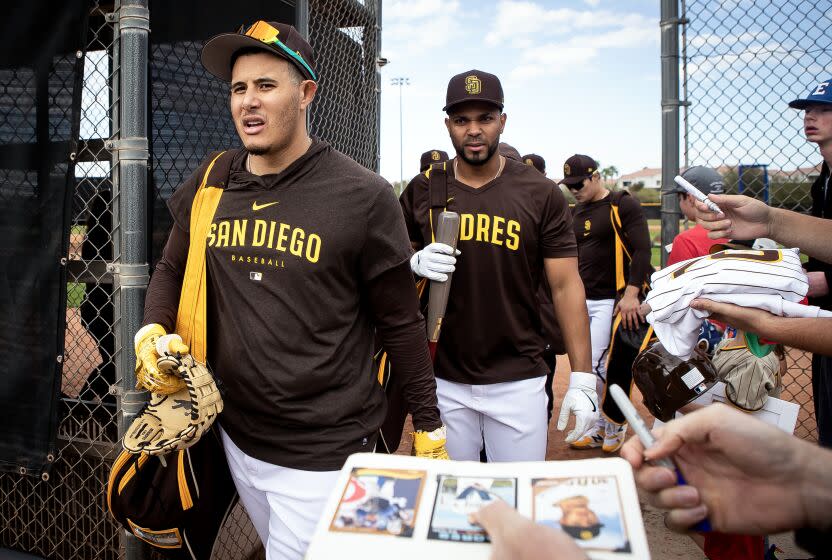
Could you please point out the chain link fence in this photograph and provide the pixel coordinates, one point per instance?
(346, 36)
(65, 516)
(61, 515)
(743, 62)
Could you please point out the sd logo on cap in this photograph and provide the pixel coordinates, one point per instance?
(474, 85)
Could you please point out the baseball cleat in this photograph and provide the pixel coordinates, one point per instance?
(613, 437)
(593, 439)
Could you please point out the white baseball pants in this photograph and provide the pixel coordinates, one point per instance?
(600, 330)
(284, 504)
(510, 417)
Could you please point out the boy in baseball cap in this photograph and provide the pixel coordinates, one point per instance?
(695, 242)
(817, 125)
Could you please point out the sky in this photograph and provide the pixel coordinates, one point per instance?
(579, 76)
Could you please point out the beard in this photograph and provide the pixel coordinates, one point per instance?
(492, 149)
(258, 150)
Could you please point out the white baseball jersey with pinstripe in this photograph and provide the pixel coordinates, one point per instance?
(772, 279)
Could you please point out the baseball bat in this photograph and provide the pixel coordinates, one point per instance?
(447, 231)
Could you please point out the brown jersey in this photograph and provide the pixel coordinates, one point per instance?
(289, 336)
(491, 332)
(596, 245)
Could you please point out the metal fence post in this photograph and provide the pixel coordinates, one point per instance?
(670, 121)
(129, 267)
(376, 60)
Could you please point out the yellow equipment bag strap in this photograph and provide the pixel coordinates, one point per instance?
(621, 251)
(191, 316)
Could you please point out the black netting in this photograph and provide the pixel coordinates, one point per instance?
(346, 37)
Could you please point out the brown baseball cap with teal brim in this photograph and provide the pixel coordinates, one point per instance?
(279, 39)
(474, 85)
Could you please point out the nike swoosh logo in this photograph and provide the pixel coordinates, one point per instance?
(586, 233)
(590, 401)
(257, 207)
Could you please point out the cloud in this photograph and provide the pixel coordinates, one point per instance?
(411, 25)
(532, 20)
(554, 41)
(415, 9)
(728, 41)
(593, 3)
(772, 54)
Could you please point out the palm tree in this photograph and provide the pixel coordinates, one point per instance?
(609, 172)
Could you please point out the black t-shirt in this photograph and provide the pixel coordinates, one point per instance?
(289, 334)
(822, 208)
(491, 332)
(596, 245)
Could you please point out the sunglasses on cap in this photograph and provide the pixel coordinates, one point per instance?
(577, 186)
(267, 34)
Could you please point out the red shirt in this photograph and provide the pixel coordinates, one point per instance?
(691, 244)
(688, 245)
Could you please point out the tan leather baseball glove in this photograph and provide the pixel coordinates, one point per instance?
(176, 421)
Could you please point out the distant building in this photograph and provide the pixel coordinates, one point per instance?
(651, 177)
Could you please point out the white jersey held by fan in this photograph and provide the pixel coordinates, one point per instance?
(770, 279)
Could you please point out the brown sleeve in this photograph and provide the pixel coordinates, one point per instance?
(407, 200)
(638, 237)
(395, 311)
(162, 300)
(556, 236)
(385, 245)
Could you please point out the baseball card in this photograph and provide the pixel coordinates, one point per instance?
(426, 503)
(459, 496)
(380, 501)
(587, 508)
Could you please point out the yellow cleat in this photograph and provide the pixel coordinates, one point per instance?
(592, 439)
(613, 437)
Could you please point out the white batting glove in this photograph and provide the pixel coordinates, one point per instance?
(434, 262)
(582, 401)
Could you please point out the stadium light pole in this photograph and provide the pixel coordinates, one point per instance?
(401, 82)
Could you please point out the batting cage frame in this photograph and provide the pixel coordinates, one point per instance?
(146, 114)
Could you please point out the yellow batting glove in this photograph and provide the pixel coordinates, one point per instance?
(431, 444)
(147, 348)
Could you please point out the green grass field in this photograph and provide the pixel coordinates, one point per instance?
(75, 293)
(655, 227)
